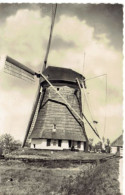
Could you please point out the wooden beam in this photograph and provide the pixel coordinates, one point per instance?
(82, 112)
(32, 115)
(50, 36)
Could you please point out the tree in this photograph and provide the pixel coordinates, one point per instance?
(108, 147)
(90, 144)
(8, 144)
(108, 142)
(98, 146)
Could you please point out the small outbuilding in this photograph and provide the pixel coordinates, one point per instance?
(117, 146)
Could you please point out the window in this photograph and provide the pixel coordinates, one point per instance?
(48, 142)
(34, 145)
(54, 128)
(59, 143)
(78, 144)
(69, 143)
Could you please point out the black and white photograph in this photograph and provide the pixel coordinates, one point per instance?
(61, 98)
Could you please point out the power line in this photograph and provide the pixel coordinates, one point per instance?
(95, 77)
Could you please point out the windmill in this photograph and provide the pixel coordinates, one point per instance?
(57, 119)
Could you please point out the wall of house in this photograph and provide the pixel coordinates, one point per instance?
(121, 151)
(82, 146)
(42, 144)
(113, 150)
(116, 149)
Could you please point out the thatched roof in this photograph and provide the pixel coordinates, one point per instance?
(118, 141)
(53, 111)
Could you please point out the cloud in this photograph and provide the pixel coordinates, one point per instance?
(22, 36)
(58, 43)
(104, 18)
(71, 29)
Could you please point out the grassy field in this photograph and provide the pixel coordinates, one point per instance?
(100, 180)
(55, 155)
(19, 178)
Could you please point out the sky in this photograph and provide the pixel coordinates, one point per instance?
(87, 38)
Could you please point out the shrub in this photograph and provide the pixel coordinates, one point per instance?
(101, 180)
(8, 144)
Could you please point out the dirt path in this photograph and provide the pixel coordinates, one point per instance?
(121, 175)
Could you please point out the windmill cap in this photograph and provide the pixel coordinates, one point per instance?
(62, 74)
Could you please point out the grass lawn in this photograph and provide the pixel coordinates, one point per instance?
(19, 178)
(55, 155)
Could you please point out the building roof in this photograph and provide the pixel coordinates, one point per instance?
(55, 112)
(118, 141)
(62, 74)
(67, 128)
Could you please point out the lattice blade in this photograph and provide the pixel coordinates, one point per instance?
(12, 67)
(17, 72)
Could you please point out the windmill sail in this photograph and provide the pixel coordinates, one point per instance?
(17, 69)
(54, 8)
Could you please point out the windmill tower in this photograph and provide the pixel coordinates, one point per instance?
(56, 121)
(57, 126)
